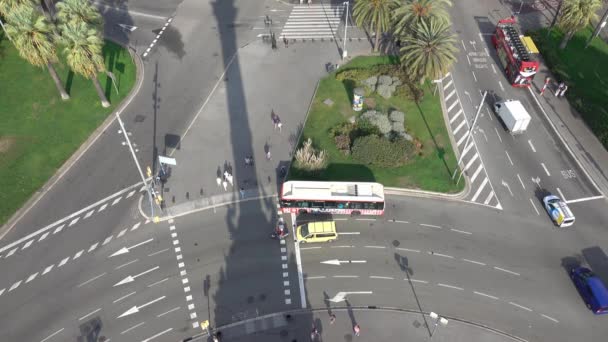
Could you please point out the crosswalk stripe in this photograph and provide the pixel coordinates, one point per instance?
(483, 185)
(475, 156)
(488, 198)
(476, 172)
(462, 123)
(456, 116)
(464, 136)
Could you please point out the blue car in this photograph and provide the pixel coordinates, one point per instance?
(591, 288)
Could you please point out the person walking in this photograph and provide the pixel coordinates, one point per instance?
(219, 181)
(565, 87)
(332, 319)
(357, 329)
(559, 88)
(286, 41)
(242, 192)
(279, 125)
(225, 184)
(268, 155)
(230, 179)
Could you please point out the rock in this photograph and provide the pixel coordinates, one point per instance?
(371, 83)
(352, 119)
(385, 91)
(359, 91)
(385, 80)
(397, 82)
(328, 102)
(398, 127)
(397, 116)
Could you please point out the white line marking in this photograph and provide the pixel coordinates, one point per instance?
(459, 113)
(461, 231)
(185, 281)
(379, 277)
(102, 208)
(29, 243)
(307, 248)
(498, 135)
(78, 254)
(31, 277)
(508, 156)
(161, 251)
(123, 297)
(534, 206)
(51, 335)
(441, 255)
(58, 229)
(485, 295)
(408, 250)
(493, 68)
(122, 232)
(14, 286)
(155, 336)
(107, 240)
(417, 281)
(89, 314)
(188, 298)
(11, 252)
(2, 291)
(128, 263)
(501, 86)
(550, 318)
(131, 194)
(342, 246)
(531, 146)
(447, 85)
(43, 236)
(89, 214)
(316, 277)
(401, 221)
(381, 247)
(504, 270)
(490, 195)
(450, 286)
(584, 199)
(349, 233)
(48, 269)
(135, 226)
(92, 279)
(167, 312)
(521, 182)
(133, 327)
(180, 265)
(74, 221)
(298, 256)
(519, 306)
(474, 77)
(483, 184)
(462, 139)
(561, 194)
(365, 219)
(430, 225)
(63, 261)
(93, 246)
(545, 168)
(474, 262)
(471, 161)
(479, 168)
(346, 276)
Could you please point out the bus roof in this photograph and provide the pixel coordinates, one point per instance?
(337, 191)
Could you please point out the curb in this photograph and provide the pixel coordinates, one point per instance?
(48, 185)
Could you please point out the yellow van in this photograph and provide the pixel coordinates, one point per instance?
(317, 232)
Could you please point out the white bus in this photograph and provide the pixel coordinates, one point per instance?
(345, 198)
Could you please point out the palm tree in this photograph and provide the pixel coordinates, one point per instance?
(430, 51)
(375, 15)
(412, 12)
(7, 6)
(34, 38)
(83, 46)
(79, 10)
(576, 15)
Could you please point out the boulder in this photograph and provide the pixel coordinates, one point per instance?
(397, 116)
(385, 91)
(385, 79)
(398, 127)
(352, 119)
(371, 82)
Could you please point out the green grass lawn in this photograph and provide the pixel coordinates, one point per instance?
(430, 171)
(39, 131)
(584, 70)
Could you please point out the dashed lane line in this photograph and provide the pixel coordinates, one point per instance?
(51, 335)
(534, 206)
(315, 277)
(417, 281)
(474, 262)
(89, 314)
(520, 306)
(408, 250)
(108, 239)
(158, 334)
(93, 246)
(160, 281)
(461, 231)
(43, 236)
(381, 277)
(450, 286)
(48, 269)
(131, 194)
(430, 225)
(135, 226)
(507, 271)
(102, 208)
(133, 327)
(2, 291)
(123, 297)
(377, 247)
(58, 229)
(116, 200)
(158, 252)
(168, 312)
(14, 286)
(31, 277)
(64, 261)
(78, 254)
(89, 214)
(126, 264)
(441, 255)
(27, 244)
(74, 221)
(91, 280)
(550, 318)
(11, 252)
(545, 168)
(485, 295)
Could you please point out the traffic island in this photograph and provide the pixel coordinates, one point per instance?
(39, 130)
(368, 123)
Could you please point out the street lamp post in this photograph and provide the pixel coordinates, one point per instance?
(344, 53)
(437, 320)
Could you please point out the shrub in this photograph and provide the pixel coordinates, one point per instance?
(364, 128)
(360, 74)
(379, 120)
(343, 143)
(308, 159)
(381, 151)
(344, 128)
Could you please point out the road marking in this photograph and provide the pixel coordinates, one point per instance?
(63, 261)
(135, 226)
(161, 251)
(130, 278)
(429, 225)
(122, 232)
(15, 285)
(11, 252)
(483, 184)
(102, 208)
(417, 281)
(31, 277)
(182, 273)
(493, 68)
(471, 161)
(584, 199)
(58, 229)
(158, 282)
(181, 265)
(51, 335)
(474, 262)
(498, 135)
(461, 231)
(116, 200)
(2, 291)
(89, 314)
(365, 219)
(29, 243)
(48, 269)
(550, 318)
(43, 236)
(157, 335)
(297, 248)
(131, 194)
(462, 123)
(441, 255)
(521, 182)
(520, 306)
(178, 249)
(561, 194)
(508, 156)
(92, 279)
(501, 86)
(307, 248)
(346, 276)
(108, 239)
(485, 295)
(127, 249)
(379, 277)
(534, 206)
(188, 298)
(133, 327)
(175, 242)
(74, 221)
(454, 104)
(315, 277)
(531, 146)
(504, 270)
(459, 113)
(408, 250)
(123, 297)
(450, 286)
(128, 263)
(93, 246)
(349, 233)
(381, 247)
(400, 221)
(545, 168)
(463, 138)
(168, 312)
(136, 308)
(185, 281)
(342, 246)
(89, 214)
(78, 254)
(490, 195)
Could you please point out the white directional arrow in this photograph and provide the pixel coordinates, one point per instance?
(339, 262)
(126, 249)
(132, 278)
(128, 27)
(137, 308)
(340, 296)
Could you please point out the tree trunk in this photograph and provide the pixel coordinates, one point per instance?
(102, 96)
(55, 77)
(377, 38)
(566, 39)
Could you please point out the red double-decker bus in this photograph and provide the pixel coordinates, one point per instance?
(342, 198)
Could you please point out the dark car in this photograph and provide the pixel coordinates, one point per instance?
(591, 288)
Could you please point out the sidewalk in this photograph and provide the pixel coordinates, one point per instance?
(378, 325)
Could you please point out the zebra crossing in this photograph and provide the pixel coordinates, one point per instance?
(482, 191)
(313, 21)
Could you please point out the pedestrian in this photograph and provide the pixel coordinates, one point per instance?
(226, 174)
(242, 191)
(309, 2)
(357, 329)
(219, 181)
(559, 88)
(286, 41)
(332, 319)
(225, 184)
(246, 161)
(230, 179)
(279, 125)
(283, 171)
(563, 90)
(268, 155)
(251, 160)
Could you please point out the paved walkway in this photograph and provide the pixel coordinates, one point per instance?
(376, 325)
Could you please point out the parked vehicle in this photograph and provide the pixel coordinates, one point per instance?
(559, 211)
(514, 115)
(591, 288)
(317, 232)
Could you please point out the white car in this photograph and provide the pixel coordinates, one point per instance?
(559, 211)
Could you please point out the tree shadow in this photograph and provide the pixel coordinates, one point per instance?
(68, 82)
(438, 149)
(349, 87)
